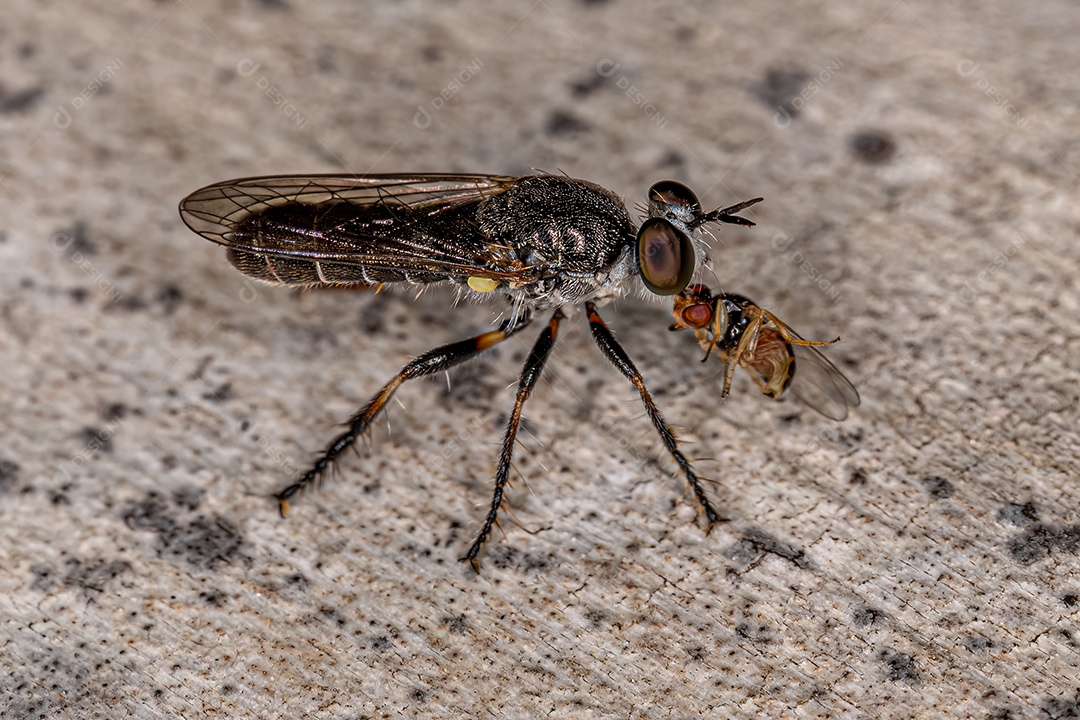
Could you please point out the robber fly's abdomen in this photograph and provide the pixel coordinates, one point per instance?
(290, 271)
(326, 232)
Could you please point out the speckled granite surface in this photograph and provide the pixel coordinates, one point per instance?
(921, 559)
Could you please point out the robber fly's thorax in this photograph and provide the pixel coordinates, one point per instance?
(575, 239)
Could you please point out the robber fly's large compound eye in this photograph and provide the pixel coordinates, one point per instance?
(673, 200)
(665, 256)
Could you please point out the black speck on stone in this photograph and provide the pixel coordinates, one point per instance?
(170, 295)
(430, 54)
(873, 147)
(97, 439)
(584, 88)
(1019, 514)
(561, 124)
(332, 613)
(20, 100)
(203, 542)
(457, 624)
(132, 303)
(1042, 540)
(324, 59)
(213, 597)
(276, 5)
(188, 497)
(380, 643)
(150, 513)
(1071, 600)
(754, 632)
(977, 643)
(115, 412)
(93, 576)
(43, 576)
(221, 393)
(80, 240)
(779, 88)
(472, 386)
(507, 556)
(672, 158)
(1062, 708)
(938, 487)
(865, 616)
(756, 541)
(696, 653)
(9, 473)
(900, 667)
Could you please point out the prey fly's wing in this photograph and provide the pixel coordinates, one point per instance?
(355, 229)
(819, 384)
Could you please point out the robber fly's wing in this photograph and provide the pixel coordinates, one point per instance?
(362, 229)
(820, 385)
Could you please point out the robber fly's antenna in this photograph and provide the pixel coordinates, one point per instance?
(727, 215)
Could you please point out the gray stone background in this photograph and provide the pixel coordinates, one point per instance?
(921, 559)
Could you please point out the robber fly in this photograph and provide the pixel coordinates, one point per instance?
(542, 242)
(743, 334)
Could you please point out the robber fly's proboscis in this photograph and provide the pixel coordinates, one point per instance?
(540, 242)
(742, 334)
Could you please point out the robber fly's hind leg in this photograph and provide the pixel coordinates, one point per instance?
(529, 375)
(618, 357)
(433, 361)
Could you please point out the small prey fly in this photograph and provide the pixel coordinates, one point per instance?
(743, 334)
(542, 242)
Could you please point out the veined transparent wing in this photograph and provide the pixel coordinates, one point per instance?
(354, 229)
(819, 384)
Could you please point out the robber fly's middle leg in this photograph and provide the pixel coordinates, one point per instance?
(433, 361)
(530, 374)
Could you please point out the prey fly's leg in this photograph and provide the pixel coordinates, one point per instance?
(785, 332)
(618, 357)
(529, 375)
(433, 361)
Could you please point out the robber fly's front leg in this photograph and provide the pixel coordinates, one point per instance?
(618, 357)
